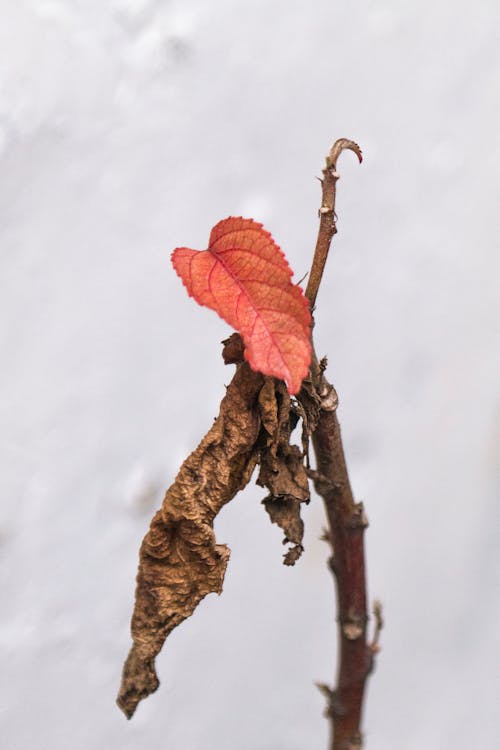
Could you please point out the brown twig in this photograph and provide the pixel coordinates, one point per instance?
(327, 219)
(346, 518)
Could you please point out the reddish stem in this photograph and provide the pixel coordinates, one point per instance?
(346, 524)
(346, 518)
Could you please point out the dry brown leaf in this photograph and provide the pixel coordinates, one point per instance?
(282, 468)
(285, 511)
(180, 562)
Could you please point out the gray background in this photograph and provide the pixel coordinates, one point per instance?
(130, 127)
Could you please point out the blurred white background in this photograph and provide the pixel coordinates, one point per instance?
(130, 127)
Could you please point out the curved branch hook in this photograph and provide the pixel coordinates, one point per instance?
(342, 144)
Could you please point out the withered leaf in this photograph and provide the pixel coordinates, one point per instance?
(285, 511)
(282, 468)
(180, 561)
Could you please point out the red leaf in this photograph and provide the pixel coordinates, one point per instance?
(246, 279)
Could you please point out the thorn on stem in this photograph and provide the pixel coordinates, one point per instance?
(334, 707)
(379, 624)
(325, 536)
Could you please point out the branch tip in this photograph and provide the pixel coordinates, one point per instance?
(327, 215)
(342, 144)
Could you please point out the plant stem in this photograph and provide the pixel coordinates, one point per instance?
(327, 225)
(346, 518)
(346, 524)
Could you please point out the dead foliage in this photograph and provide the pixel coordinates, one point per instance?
(180, 561)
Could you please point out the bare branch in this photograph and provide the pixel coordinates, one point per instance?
(346, 518)
(327, 218)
